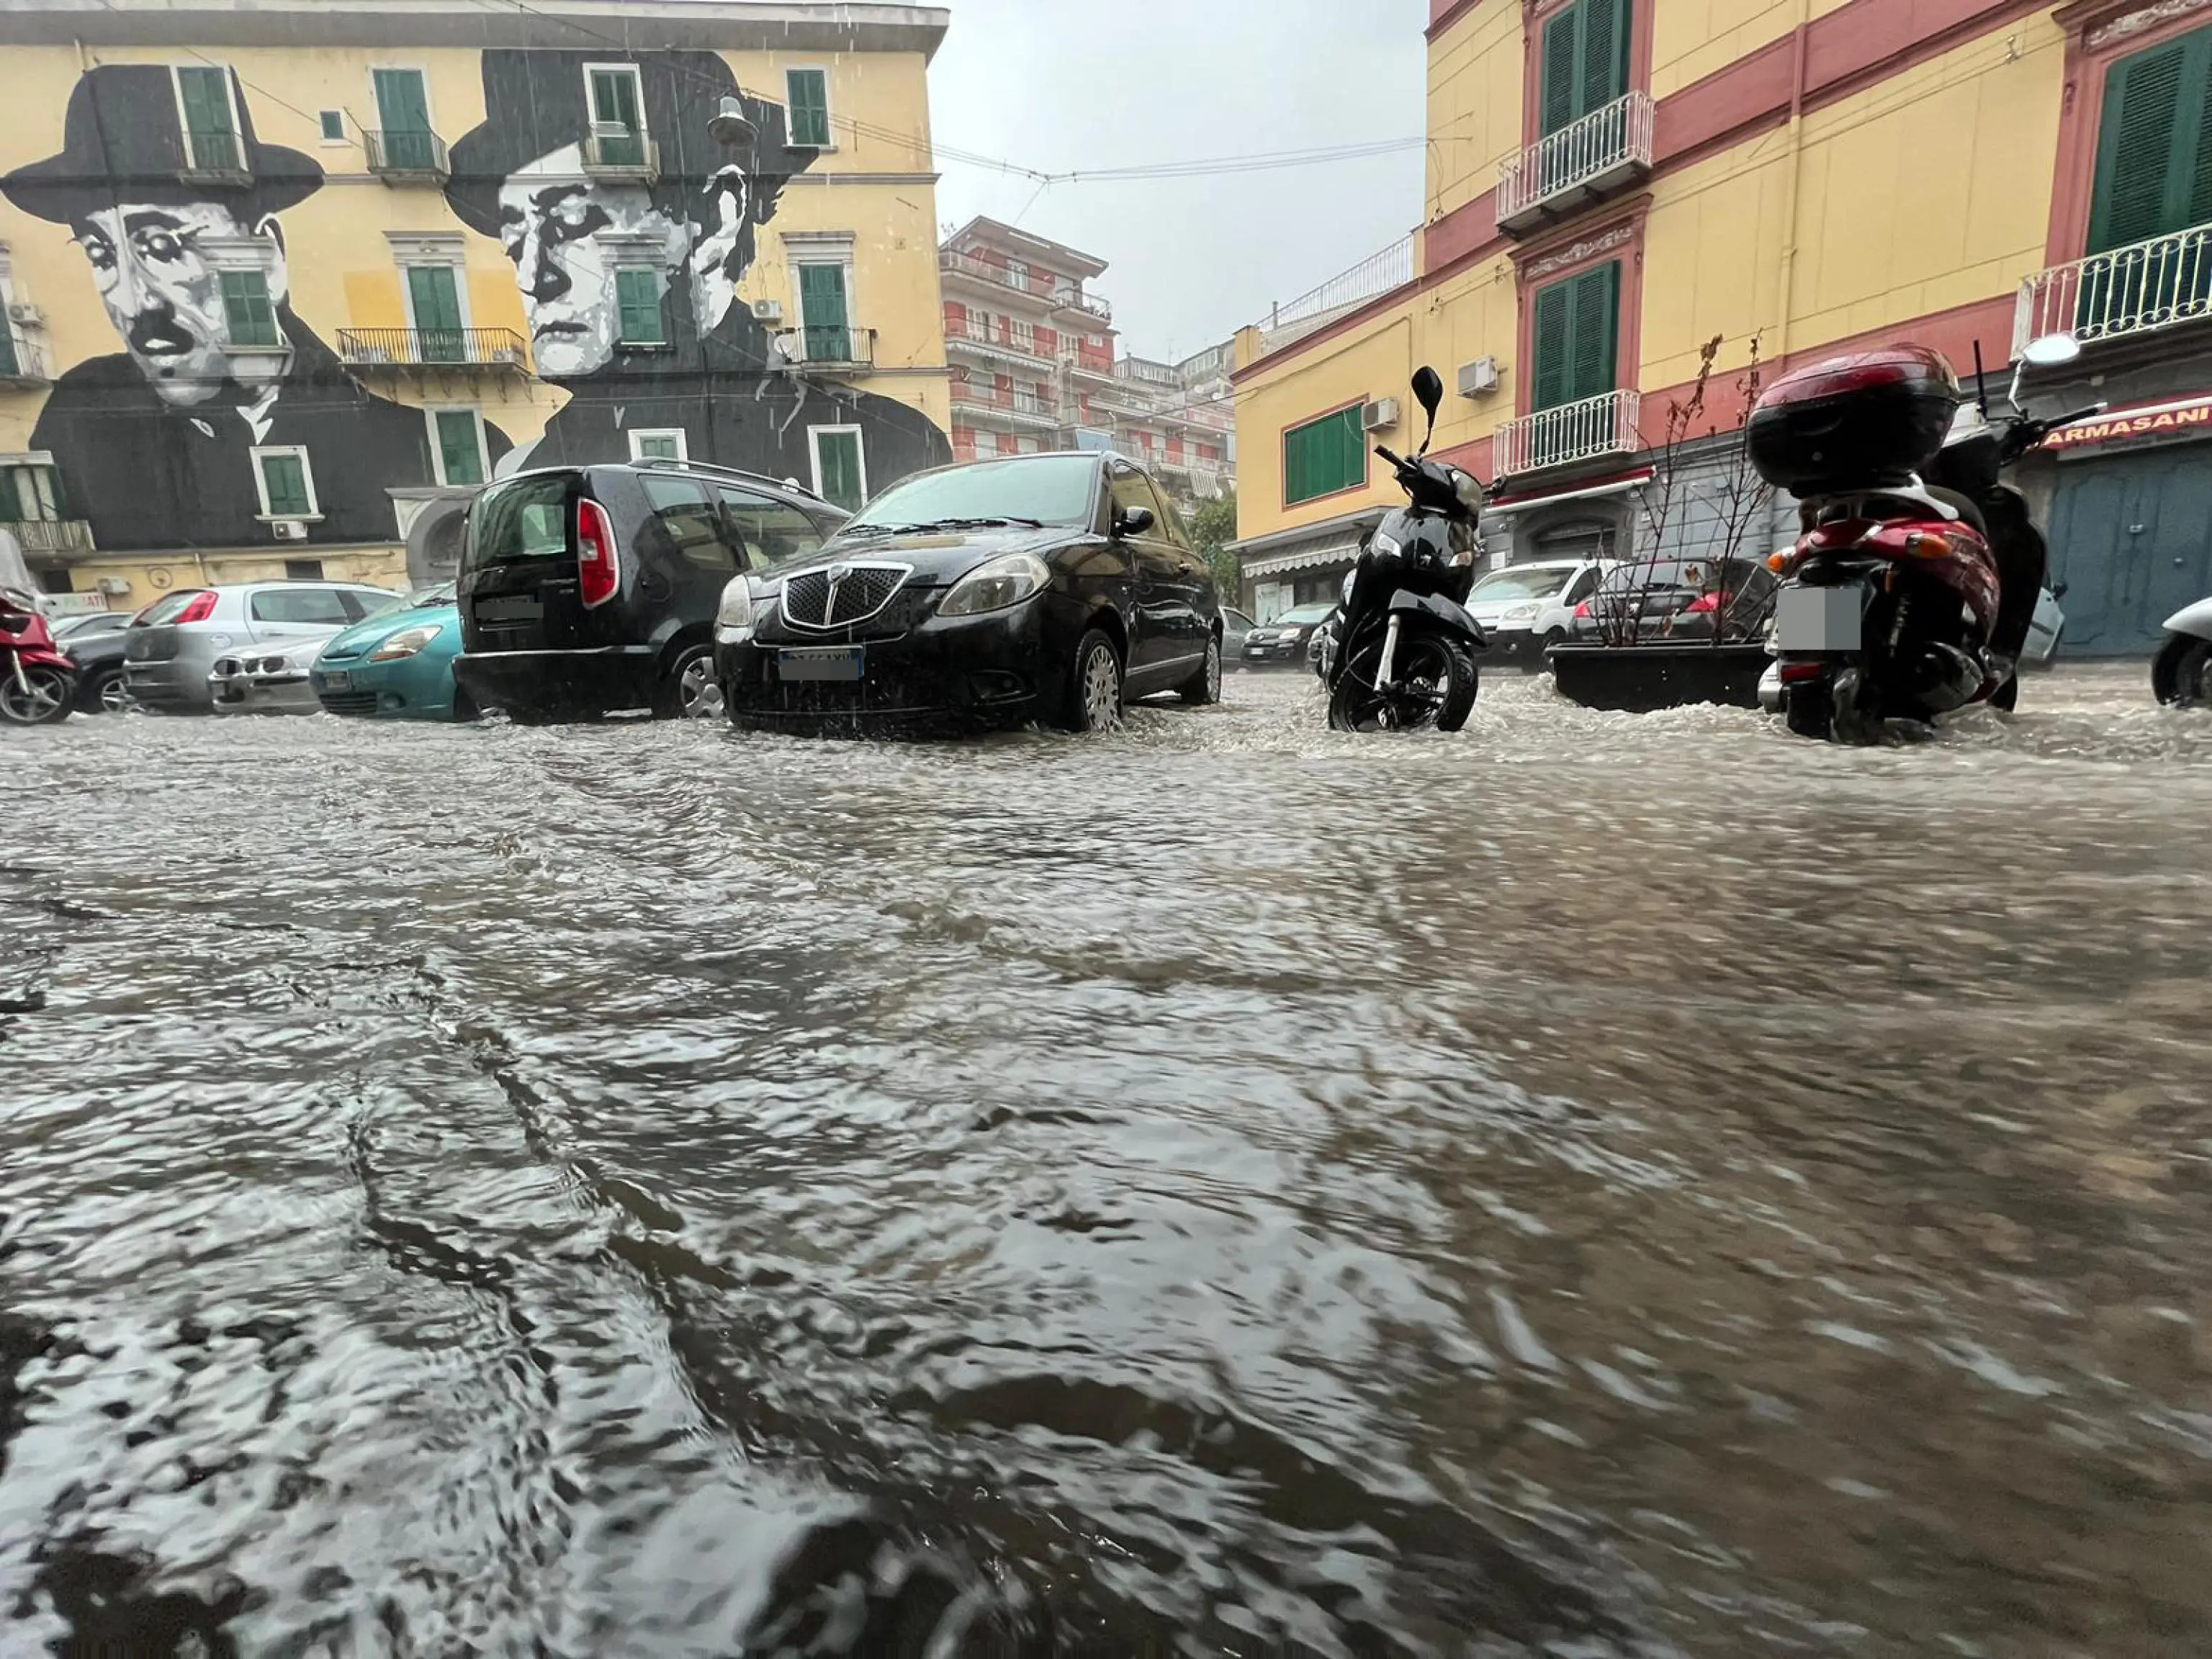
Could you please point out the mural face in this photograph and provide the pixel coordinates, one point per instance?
(567, 236)
(150, 263)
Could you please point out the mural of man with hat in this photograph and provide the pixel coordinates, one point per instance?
(521, 177)
(154, 445)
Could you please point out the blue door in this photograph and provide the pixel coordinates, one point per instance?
(2132, 538)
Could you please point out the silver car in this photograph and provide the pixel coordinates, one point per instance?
(173, 645)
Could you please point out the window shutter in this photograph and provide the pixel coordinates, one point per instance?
(1562, 67)
(637, 299)
(458, 453)
(810, 107)
(207, 100)
(1603, 71)
(1553, 380)
(245, 306)
(286, 485)
(2135, 151)
(1595, 326)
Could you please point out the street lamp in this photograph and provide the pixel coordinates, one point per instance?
(731, 126)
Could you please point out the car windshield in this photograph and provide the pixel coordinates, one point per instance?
(1039, 490)
(1305, 616)
(1503, 585)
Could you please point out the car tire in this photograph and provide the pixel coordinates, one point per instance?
(689, 688)
(103, 693)
(2181, 676)
(51, 699)
(1094, 684)
(1205, 686)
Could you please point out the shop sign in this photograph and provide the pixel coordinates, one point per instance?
(2176, 418)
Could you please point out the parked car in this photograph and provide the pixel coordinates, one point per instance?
(1677, 600)
(1526, 609)
(398, 665)
(1049, 586)
(95, 641)
(1282, 643)
(1234, 625)
(586, 590)
(171, 645)
(269, 679)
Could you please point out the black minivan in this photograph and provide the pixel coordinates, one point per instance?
(587, 591)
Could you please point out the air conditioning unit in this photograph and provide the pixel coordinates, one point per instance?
(113, 585)
(767, 311)
(1478, 377)
(290, 530)
(24, 314)
(1380, 416)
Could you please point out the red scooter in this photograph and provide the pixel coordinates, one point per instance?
(38, 684)
(1911, 593)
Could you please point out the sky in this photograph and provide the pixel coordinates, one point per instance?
(1060, 85)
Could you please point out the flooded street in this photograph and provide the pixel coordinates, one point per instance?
(1589, 1185)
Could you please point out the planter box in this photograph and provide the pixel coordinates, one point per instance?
(1638, 678)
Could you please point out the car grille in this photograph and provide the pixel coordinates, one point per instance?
(814, 600)
(349, 702)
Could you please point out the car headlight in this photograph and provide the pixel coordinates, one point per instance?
(407, 643)
(995, 586)
(1519, 613)
(736, 610)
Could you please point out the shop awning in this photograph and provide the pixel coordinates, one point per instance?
(1333, 541)
(1520, 500)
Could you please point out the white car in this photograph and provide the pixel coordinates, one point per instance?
(1526, 609)
(267, 679)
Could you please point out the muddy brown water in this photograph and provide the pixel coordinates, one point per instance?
(1591, 1185)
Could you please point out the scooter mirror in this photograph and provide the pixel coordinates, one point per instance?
(2051, 351)
(1429, 393)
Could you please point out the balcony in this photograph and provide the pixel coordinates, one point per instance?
(500, 348)
(846, 349)
(999, 343)
(1020, 407)
(22, 365)
(2140, 289)
(1584, 160)
(1045, 290)
(53, 537)
(621, 157)
(1079, 303)
(408, 157)
(1591, 430)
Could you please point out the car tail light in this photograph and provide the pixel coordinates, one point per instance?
(201, 608)
(1705, 602)
(1582, 610)
(598, 573)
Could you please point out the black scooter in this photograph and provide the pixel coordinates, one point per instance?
(1399, 653)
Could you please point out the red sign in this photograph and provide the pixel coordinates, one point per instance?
(2177, 417)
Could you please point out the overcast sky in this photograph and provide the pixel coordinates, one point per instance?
(1059, 85)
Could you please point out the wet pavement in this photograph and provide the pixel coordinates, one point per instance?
(1590, 1185)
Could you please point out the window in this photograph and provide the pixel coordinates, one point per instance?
(1018, 273)
(527, 519)
(809, 94)
(245, 306)
(693, 528)
(313, 606)
(2155, 144)
(637, 299)
(1324, 457)
(211, 124)
(28, 495)
(841, 473)
(403, 112)
(822, 310)
(618, 126)
(457, 436)
(772, 532)
(434, 301)
(1577, 334)
(1130, 489)
(287, 486)
(303, 570)
(663, 444)
(1171, 523)
(1585, 60)
(334, 126)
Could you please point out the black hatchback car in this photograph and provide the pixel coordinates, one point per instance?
(1049, 586)
(585, 591)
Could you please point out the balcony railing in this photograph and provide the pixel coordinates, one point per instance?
(407, 154)
(1004, 339)
(22, 365)
(434, 348)
(1088, 304)
(828, 347)
(1583, 160)
(53, 536)
(2146, 286)
(1000, 400)
(1050, 290)
(1595, 427)
(623, 157)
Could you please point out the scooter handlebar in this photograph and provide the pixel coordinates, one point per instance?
(1394, 459)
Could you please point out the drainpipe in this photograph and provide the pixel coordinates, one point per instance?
(1788, 263)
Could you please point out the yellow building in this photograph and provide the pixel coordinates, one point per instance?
(284, 284)
(1613, 185)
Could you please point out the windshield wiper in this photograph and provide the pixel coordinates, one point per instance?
(988, 522)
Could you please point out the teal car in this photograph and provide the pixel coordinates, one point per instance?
(397, 664)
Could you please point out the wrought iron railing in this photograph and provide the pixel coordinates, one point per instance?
(1595, 427)
(1089, 305)
(1608, 146)
(2160, 282)
(21, 363)
(967, 394)
(624, 155)
(409, 348)
(838, 347)
(408, 152)
(53, 535)
(1033, 283)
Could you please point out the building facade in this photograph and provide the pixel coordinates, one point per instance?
(285, 285)
(1614, 185)
(1036, 365)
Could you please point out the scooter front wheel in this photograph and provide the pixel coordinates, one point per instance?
(1435, 685)
(42, 697)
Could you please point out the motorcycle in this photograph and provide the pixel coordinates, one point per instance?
(37, 683)
(1401, 652)
(2181, 673)
(1915, 585)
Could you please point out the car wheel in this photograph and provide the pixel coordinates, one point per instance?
(2182, 675)
(691, 688)
(1205, 686)
(42, 699)
(104, 693)
(1094, 692)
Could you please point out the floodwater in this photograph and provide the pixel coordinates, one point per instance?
(1592, 1185)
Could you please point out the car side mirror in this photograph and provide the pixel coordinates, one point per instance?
(1133, 521)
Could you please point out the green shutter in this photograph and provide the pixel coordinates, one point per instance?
(286, 481)
(1578, 337)
(1324, 457)
(810, 107)
(2137, 147)
(839, 453)
(1562, 68)
(404, 113)
(614, 104)
(435, 293)
(637, 298)
(459, 454)
(205, 95)
(1552, 377)
(821, 309)
(245, 306)
(1603, 70)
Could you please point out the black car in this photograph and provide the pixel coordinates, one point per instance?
(585, 591)
(96, 642)
(1046, 587)
(1676, 600)
(1282, 643)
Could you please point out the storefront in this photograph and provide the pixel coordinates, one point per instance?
(1304, 565)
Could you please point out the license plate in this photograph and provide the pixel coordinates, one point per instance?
(1819, 618)
(842, 662)
(509, 610)
(337, 680)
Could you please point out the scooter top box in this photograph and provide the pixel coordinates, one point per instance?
(1869, 420)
